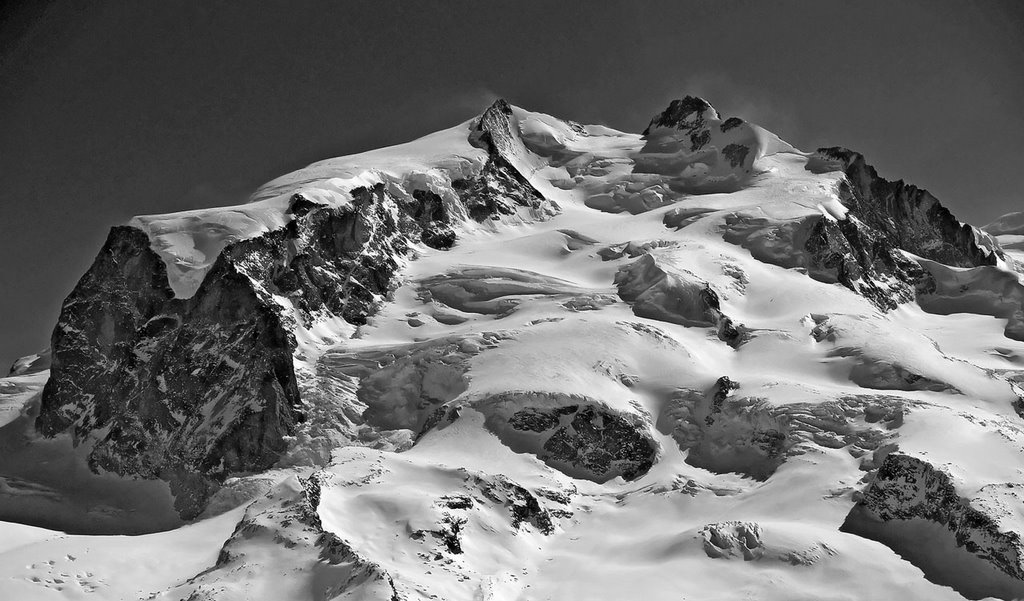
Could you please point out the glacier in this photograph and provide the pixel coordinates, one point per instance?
(527, 358)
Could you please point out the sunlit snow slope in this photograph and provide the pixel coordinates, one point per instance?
(695, 363)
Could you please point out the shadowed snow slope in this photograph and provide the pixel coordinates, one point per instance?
(525, 358)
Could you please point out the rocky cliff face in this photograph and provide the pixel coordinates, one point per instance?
(907, 216)
(418, 429)
(865, 250)
(861, 258)
(907, 488)
(193, 390)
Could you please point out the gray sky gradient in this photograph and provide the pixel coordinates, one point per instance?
(118, 108)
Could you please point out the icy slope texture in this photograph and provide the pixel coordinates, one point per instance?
(526, 358)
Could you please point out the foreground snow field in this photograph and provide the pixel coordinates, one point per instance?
(525, 358)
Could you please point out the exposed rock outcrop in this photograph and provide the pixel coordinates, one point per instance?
(576, 435)
(864, 249)
(844, 251)
(191, 390)
(690, 143)
(689, 114)
(502, 186)
(855, 255)
(907, 490)
(524, 508)
(906, 216)
(885, 218)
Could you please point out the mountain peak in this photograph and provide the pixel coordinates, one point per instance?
(533, 336)
(684, 113)
(494, 127)
(500, 106)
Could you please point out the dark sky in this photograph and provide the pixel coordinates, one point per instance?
(111, 109)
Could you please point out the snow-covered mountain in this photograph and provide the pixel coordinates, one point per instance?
(1009, 231)
(524, 358)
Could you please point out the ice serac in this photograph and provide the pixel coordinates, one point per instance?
(725, 432)
(985, 290)
(193, 390)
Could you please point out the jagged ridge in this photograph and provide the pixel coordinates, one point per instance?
(193, 390)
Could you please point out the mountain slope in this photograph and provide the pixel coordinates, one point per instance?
(525, 358)
(1009, 231)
